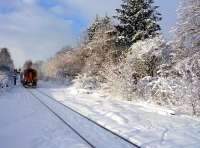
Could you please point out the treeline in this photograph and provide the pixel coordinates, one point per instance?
(130, 59)
(6, 62)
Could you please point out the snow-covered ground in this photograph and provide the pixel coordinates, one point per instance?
(95, 135)
(146, 125)
(25, 123)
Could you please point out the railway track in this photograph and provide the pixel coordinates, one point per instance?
(62, 120)
(94, 134)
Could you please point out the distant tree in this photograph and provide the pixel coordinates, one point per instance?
(27, 64)
(64, 50)
(93, 27)
(98, 23)
(5, 59)
(138, 21)
(38, 65)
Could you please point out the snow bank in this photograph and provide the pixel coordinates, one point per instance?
(5, 81)
(145, 124)
(86, 81)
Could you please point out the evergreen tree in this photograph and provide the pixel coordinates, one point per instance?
(138, 21)
(91, 30)
(98, 23)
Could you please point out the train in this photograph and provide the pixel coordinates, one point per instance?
(29, 78)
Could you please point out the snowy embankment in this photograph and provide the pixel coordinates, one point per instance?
(5, 81)
(146, 125)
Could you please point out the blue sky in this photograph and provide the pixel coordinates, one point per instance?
(29, 27)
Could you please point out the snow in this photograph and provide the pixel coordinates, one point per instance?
(5, 81)
(144, 124)
(94, 134)
(25, 123)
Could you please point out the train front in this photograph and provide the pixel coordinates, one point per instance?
(29, 76)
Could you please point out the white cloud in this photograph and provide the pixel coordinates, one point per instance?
(33, 32)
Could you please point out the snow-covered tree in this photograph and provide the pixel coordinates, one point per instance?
(187, 31)
(102, 48)
(96, 25)
(179, 80)
(143, 59)
(186, 52)
(5, 59)
(91, 30)
(138, 20)
(67, 62)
